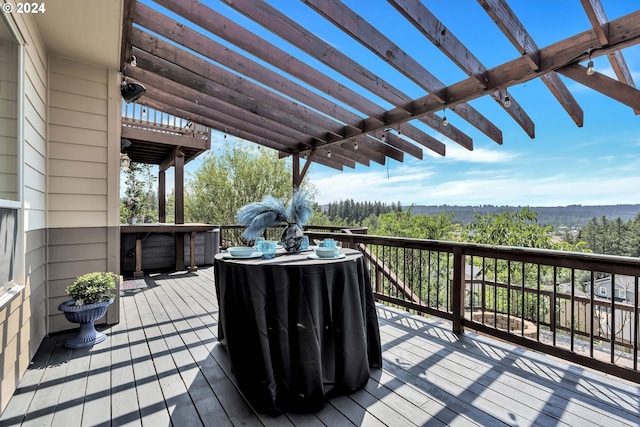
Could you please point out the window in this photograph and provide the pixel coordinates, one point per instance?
(10, 157)
(622, 293)
(602, 291)
(8, 243)
(9, 58)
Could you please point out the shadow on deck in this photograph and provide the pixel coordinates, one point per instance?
(162, 365)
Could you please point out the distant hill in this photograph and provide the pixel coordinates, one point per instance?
(568, 216)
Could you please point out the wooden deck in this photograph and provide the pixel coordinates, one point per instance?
(162, 365)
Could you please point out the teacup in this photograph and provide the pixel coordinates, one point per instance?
(329, 243)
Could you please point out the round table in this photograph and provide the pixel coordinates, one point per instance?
(297, 330)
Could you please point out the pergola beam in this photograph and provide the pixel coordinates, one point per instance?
(598, 18)
(294, 33)
(212, 21)
(365, 33)
(436, 32)
(514, 30)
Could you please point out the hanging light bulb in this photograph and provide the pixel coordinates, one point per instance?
(355, 146)
(329, 153)
(590, 69)
(445, 122)
(384, 136)
(134, 61)
(507, 102)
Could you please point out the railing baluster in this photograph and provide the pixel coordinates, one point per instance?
(593, 312)
(613, 318)
(636, 323)
(508, 295)
(573, 304)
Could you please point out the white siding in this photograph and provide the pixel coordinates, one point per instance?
(78, 161)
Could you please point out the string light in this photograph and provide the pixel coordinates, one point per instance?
(445, 122)
(590, 69)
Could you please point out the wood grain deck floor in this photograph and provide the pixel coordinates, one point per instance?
(163, 366)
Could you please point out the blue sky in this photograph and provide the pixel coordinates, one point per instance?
(562, 165)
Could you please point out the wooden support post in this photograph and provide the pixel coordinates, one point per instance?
(138, 271)
(192, 252)
(162, 197)
(295, 171)
(458, 290)
(179, 189)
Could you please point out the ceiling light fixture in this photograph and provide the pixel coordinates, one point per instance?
(125, 161)
(131, 91)
(507, 102)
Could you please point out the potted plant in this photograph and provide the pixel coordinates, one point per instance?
(92, 294)
(270, 212)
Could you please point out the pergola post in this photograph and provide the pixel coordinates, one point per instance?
(162, 197)
(179, 202)
(295, 171)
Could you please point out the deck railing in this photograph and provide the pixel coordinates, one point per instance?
(541, 299)
(142, 117)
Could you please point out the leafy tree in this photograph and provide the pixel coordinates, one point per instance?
(238, 174)
(140, 199)
(615, 237)
(509, 229)
(405, 224)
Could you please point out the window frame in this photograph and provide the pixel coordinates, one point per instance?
(10, 289)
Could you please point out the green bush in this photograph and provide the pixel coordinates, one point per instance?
(92, 288)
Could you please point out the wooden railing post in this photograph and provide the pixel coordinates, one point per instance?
(458, 290)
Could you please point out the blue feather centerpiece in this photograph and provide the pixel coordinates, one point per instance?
(270, 212)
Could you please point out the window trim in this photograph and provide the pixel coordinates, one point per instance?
(10, 290)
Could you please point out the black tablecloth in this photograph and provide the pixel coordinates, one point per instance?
(297, 330)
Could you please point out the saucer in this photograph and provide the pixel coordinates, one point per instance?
(253, 255)
(314, 256)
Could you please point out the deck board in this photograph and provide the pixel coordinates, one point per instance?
(162, 365)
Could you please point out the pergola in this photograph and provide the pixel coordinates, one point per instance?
(297, 110)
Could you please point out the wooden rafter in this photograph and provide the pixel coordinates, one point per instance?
(365, 33)
(511, 26)
(221, 26)
(310, 115)
(598, 18)
(434, 30)
(294, 33)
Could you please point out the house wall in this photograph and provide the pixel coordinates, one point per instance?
(23, 314)
(83, 174)
(70, 193)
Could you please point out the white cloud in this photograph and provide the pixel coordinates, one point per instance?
(422, 188)
(479, 155)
